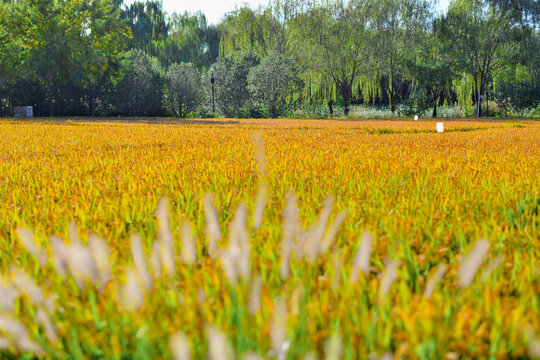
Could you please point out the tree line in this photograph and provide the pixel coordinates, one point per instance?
(104, 58)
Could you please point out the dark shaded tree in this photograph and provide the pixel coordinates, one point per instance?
(272, 82)
(183, 89)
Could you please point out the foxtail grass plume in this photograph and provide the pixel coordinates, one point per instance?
(389, 276)
(179, 345)
(45, 321)
(331, 232)
(139, 260)
(533, 342)
(255, 296)
(29, 243)
(212, 226)
(4, 343)
(261, 153)
(189, 250)
(73, 233)
(228, 262)
(26, 285)
(238, 240)
(155, 259)
(59, 254)
(289, 227)
(491, 267)
(167, 252)
(132, 293)
(17, 335)
(472, 262)
(75, 259)
(361, 259)
(278, 328)
(100, 253)
(219, 347)
(314, 238)
(260, 202)
(81, 264)
(251, 356)
(337, 262)
(334, 347)
(434, 280)
(296, 299)
(8, 294)
(310, 356)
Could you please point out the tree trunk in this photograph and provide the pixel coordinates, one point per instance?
(330, 104)
(391, 96)
(346, 92)
(51, 94)
(435, 101)
(92, 98)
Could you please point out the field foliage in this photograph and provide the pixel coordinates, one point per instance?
(288, 239)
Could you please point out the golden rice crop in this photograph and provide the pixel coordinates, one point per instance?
(287, 239)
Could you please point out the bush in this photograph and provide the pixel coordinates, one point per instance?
(183, 89)
(232, 95)
(416, 104)
(273, 83)
(517, 96)
(139, 91)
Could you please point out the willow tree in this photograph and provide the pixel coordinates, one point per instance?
(343, 43)
(102, 34)
(274, 29)
(191, 39)
(400, 27)
(12, 57)
(485, 36)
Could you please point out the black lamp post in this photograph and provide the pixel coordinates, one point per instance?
(213, 101)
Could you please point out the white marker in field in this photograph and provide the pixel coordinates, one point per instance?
(440, 127)
(415, 117)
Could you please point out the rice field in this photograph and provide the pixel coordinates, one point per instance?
(269, 239)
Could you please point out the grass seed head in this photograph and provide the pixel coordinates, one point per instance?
(362, 258)
(334, 347)
(389, 276)
(26, 285)
(155, 259)
(260, 202)
(139, 260)
(219, 347)
(179, 345)
(278, 327)
(472, 262)
(434, 280)
(238, 240)
(81, 264)
(59, 254)
(45, 321)
(189, 251)
(331, 232)
(167, 252)
(131, 295)
(8, 294)
(255, 296)
(19, 335)
(100, 254)
(290, 223)
(27, 239)
(212, 226)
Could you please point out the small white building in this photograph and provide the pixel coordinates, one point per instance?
(23, 111)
